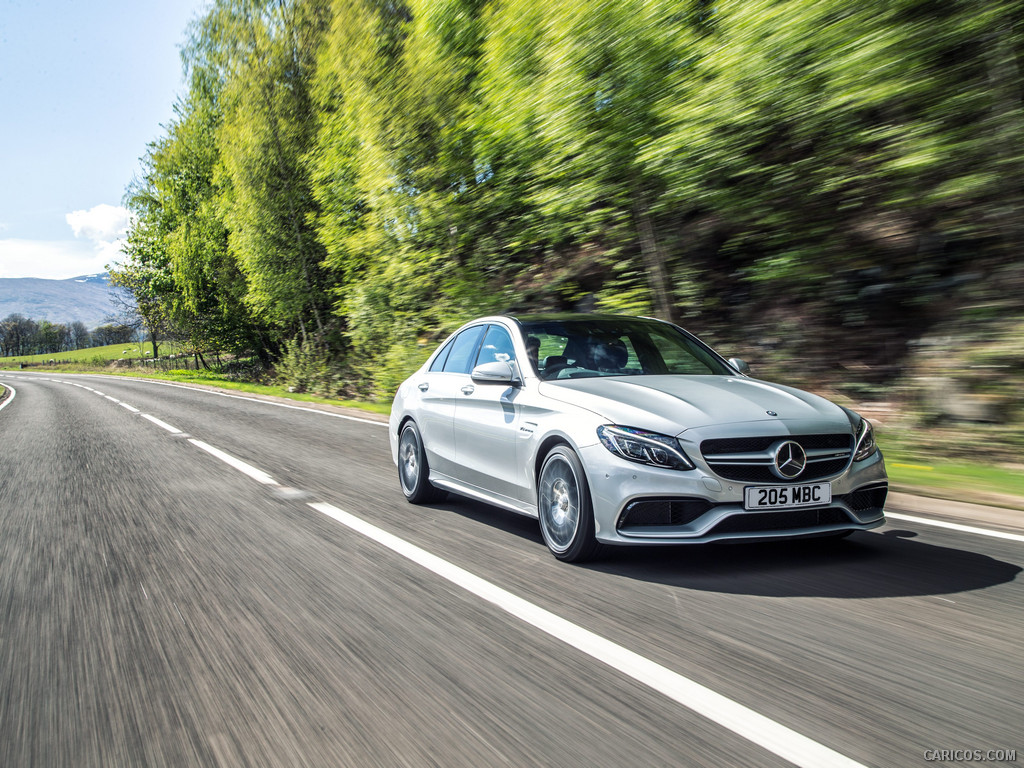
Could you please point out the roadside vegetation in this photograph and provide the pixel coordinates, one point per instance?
(830, 190)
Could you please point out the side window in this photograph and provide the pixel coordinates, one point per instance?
(438, 364)
(463, 352)
(497, 347)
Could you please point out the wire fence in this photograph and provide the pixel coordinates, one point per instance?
(248, 368)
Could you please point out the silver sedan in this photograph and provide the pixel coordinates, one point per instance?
(626, 430)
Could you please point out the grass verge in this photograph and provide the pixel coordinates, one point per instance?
(963, 481)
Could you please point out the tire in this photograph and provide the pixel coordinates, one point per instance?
(564, 509)
(413, 470)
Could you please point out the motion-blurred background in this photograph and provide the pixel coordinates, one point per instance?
(832, 190)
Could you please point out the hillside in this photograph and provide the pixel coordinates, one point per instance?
(88, 298)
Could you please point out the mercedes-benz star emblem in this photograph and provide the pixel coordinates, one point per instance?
(790, 460)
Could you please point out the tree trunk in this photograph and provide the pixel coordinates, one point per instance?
(1007, 131)
(654, 261)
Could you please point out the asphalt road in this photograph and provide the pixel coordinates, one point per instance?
(181, 583)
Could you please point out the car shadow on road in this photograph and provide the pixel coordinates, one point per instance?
(891, 563)
(865, 565)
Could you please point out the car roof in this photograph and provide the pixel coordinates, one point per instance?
(548, 317)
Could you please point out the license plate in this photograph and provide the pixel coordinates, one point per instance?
(787, 496)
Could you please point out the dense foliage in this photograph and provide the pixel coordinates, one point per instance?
(346, 180)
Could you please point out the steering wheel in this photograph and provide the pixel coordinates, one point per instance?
(553, 370)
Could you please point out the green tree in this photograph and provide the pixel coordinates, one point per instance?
(262, 53)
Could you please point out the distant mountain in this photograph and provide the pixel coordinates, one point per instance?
(88, 298)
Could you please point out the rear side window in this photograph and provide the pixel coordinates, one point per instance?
(438, 363)
(463, 350)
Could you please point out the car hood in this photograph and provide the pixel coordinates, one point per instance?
(674, 404)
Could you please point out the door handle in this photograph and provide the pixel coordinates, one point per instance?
(468, 389)
(424, 387)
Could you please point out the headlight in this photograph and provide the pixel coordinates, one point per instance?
(865, 441)
(644, 447)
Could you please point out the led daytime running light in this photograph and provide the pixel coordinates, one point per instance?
(644, 447)
(866, 446)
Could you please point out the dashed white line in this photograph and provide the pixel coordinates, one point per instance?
(267, 402)
(162, 424)
(129, 408)
(256, 474)
(956, 527)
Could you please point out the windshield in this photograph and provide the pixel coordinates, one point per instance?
(591, 346)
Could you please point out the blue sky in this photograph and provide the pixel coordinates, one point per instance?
(84, 87)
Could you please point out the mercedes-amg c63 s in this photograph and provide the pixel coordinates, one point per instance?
(628, 430)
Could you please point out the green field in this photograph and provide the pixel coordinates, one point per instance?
(99, 356)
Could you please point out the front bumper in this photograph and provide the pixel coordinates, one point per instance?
(639, 504)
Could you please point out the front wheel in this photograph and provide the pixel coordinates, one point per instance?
(413, 471)
(564, 508)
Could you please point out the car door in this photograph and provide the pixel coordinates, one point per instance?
(487, 423)
(439, 390)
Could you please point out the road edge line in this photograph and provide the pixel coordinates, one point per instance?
(955, 526)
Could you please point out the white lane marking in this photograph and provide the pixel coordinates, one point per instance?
(256, 474)
(265, 402)
(97, 392)
(7, 401)
(162, 424)
(745, 722)
(956, 527)
(112, 399)
(129, 408)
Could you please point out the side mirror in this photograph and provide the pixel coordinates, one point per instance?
(740, 365)
(495, 373)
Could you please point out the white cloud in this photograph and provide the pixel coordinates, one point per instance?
(101, 223)
(57, 260)
(99, 235)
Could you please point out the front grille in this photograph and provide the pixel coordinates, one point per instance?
(745, 444)
(863, 499)
(645, 513)
(750, 459)
(782, 520)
